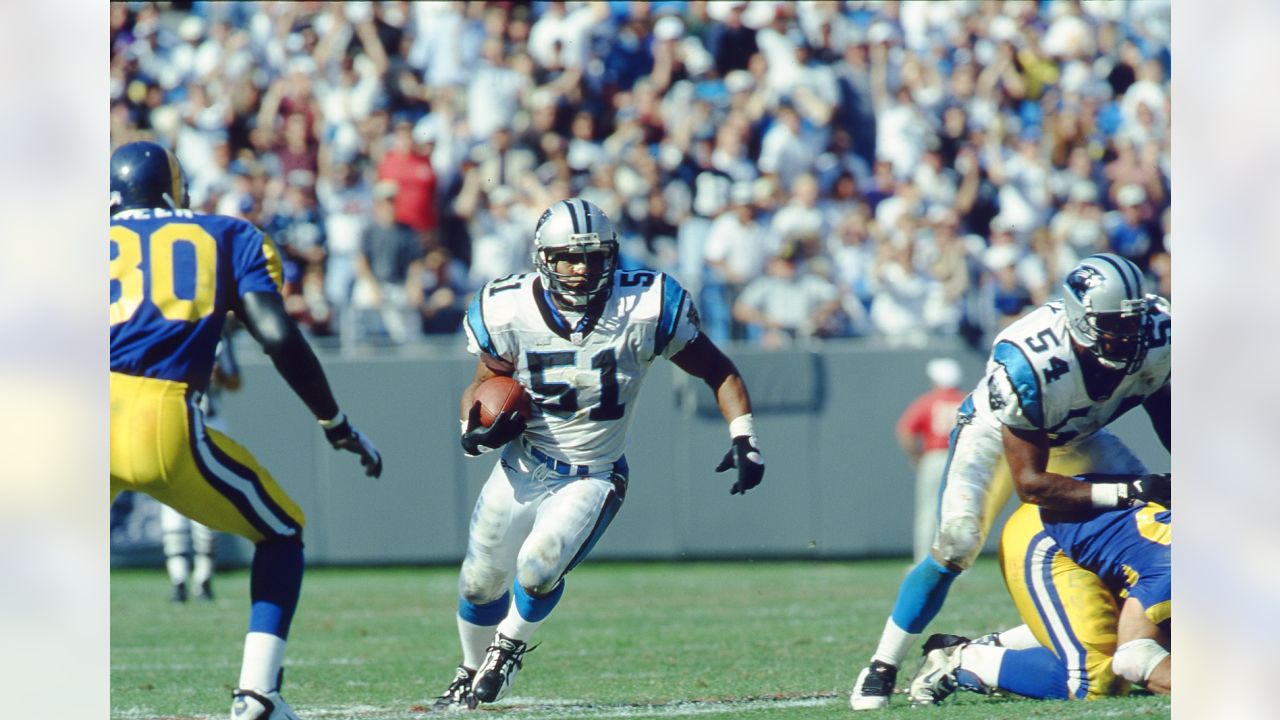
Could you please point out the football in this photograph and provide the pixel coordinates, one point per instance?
(502, 394)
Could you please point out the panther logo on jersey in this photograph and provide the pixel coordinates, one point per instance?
(995, 392)
(1083, 280)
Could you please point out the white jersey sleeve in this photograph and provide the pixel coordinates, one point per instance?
(678, 322)
(496, 349)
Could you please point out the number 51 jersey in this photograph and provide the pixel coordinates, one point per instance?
(1034, 380)
(174, 276)
(582, 373)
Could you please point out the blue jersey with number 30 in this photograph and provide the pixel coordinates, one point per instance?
(174, 276)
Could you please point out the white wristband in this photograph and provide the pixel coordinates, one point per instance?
(334, 422)
(1107, 496)
(742, 425)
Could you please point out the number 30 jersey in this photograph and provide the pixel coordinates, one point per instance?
(1034, 381)
(583, 373)
(174, 276)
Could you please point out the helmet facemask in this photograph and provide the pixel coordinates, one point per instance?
(1117, 339)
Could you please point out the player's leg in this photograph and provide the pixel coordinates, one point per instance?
(972, 490)
(215, 481)
(1142, 656)
(1069, 609)
(204, 545)
(928, 486)
(175, 529)
(568, 524)
(503, 515)
(159, 446)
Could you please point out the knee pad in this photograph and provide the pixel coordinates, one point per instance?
(1135, 660)
(538, 568)
(479, 585)
(959, 541)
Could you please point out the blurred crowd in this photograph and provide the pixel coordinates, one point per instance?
(808, 170)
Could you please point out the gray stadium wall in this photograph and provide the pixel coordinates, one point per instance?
(837, 485)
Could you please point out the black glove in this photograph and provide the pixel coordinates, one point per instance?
(744, 455)
(344, 436)
(480, 439)
(1152, 488)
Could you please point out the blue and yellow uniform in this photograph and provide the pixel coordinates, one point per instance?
(1067, 573)
(174, 276)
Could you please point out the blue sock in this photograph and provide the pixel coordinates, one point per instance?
(534, 609)
(486, 615)
(1034, 673)
(922, 594)
(274, 585)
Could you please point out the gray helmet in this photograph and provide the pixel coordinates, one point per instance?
(577, 231)
(1107, 310)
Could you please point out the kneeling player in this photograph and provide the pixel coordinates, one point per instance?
(1094, 590)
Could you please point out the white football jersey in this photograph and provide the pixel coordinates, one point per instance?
(583, 375)
(1034, 381)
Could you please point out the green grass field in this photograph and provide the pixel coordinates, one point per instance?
(629, 640)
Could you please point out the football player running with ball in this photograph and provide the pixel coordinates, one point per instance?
(579, 334)
(1055, 379)
(174, 276)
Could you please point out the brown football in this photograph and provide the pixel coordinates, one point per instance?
(502, 394)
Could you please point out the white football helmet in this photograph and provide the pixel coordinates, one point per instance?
(1107, 310)
(578, 232)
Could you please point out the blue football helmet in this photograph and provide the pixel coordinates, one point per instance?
(1107, 310)
(146, 175)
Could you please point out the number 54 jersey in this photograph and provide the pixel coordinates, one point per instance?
(174, 276)
(583, 373)
(1035, 382)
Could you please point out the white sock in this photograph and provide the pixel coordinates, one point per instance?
(263, 656)
(177, 567)
(1019, 638)
(517, 628)
(894, 644)
(984, 661)
(475, 642)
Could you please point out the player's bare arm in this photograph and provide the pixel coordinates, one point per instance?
(702, 359)
(264, 315)
(1028, 455)
(1158, 409)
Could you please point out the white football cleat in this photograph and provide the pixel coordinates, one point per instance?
(935, 681)
(260, 705)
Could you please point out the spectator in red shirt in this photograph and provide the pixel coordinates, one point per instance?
(923, 432)
(408, 165)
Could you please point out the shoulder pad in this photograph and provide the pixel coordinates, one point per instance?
(1014, 387)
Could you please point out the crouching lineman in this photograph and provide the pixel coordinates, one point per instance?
(1054, 381)
(1094, 590)
(580, 335)
(174, 276)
